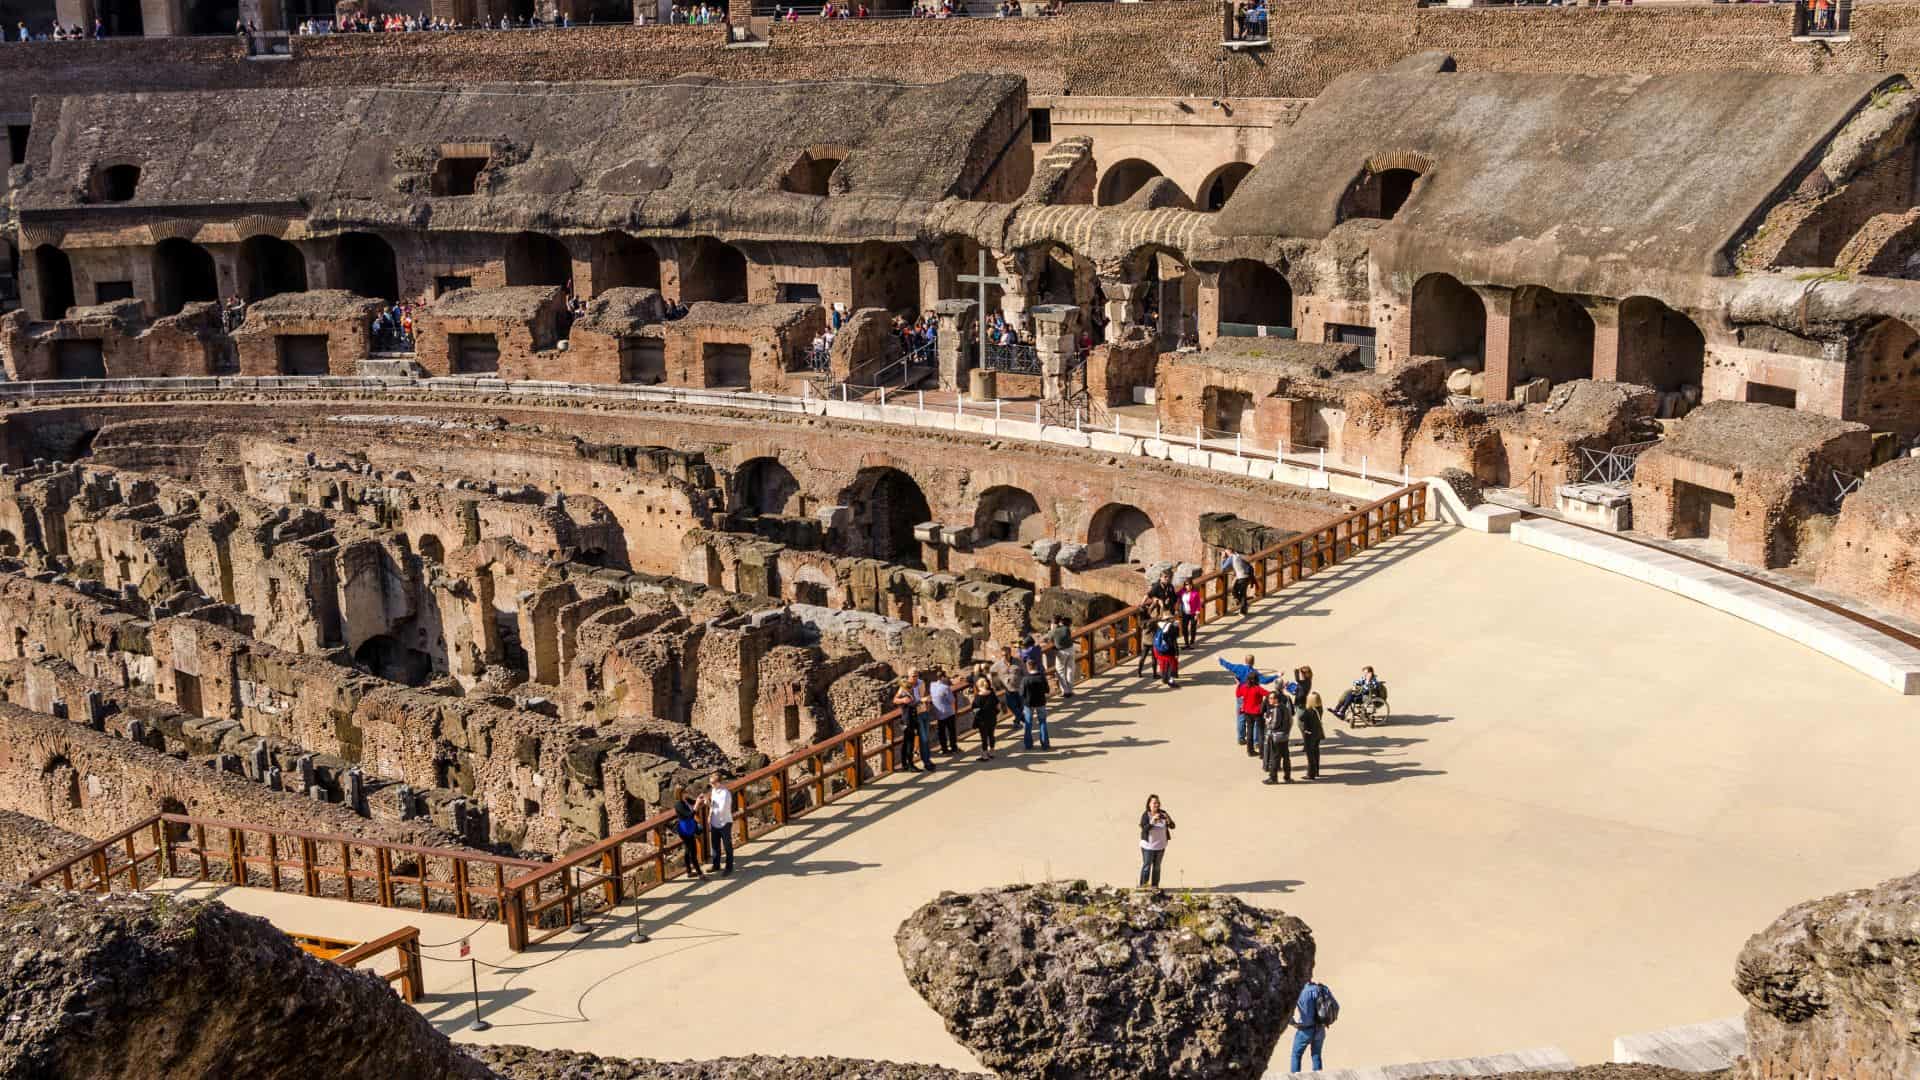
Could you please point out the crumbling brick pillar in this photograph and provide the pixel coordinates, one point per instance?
(958, 332)
(1606, 340)
(1499, 302)
(1056, 337)
(1017, 293)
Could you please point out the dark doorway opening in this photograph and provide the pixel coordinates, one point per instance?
(303, 354)
(368, 267)
(183, 273)
(78, 360)
(270, 266)
(54, 274)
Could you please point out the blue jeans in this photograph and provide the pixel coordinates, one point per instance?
(1037, 716)
(1316, 1037)
(926, 757)
(1016, 708)
(720, 841)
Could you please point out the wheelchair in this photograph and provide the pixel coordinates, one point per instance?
(1370, 710)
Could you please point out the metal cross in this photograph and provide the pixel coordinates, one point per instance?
(983, 280)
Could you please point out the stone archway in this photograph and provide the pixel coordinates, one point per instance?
(624, 262)
(183, 273)
(1551, 337)
(886, 276)
(1255, 294)
(886, 505)
(367, 266)
(1007, 514)
(764, 486)
(1124, 179)
(1659, 347)
(1120, 533)
(1220, 185)
(1449, 320)
(270, 266)
(712, 270)
(538, 259)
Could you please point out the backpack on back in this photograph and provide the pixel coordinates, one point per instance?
(1326, 1009)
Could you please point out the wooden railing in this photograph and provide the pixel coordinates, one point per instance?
(468, 884)
(642, 857)
(1121, 636)
(404, 943)
(547, 897)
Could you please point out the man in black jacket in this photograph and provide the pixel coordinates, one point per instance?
(1033, 693)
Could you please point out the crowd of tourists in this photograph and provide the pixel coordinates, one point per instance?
(57, 32)
(1249, 20)
(393, 328)
(917, 334)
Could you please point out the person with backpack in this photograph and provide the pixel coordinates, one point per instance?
(1033, 694)
(1313, 1014)
(1166, 650)
(686, 824)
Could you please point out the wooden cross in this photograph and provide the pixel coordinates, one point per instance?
(983, 280)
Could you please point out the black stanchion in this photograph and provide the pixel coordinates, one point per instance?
(478, 1023)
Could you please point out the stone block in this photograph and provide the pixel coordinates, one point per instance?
(1598, 505)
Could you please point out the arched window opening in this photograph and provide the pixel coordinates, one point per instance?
(1378, 194)
(764, 486)
(1121, 534)
(368, 266)
(812, 174)
(538, 259)
(624, 262)
(1124, 180)
(183, 273)
(711, 270)
(113, 184)
(1252, 295)
(887, 504)
(386, 657)
(1008, 515)
(54, 274)
(432, 550)
(1661, 348)
(886, 276)
(1449, 320)
(270, 266)
(1224, 182)
(1551, 337)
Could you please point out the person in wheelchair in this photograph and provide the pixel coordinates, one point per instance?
(1368, 685)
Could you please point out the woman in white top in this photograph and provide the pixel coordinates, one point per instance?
(1156, 828)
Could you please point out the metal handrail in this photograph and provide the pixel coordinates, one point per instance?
(1011, 359)
(1614, 466)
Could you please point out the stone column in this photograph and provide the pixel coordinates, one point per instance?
(1056, 335)
(1123, 304)
(1499, 303)
(1018, 291)
(958, 334)
(1607, 358)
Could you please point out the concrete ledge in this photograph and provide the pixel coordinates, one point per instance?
(1873, 654)
(1694, 1047)
(1444, 504)
(1543, 1059)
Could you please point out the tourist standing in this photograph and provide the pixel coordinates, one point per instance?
(1250, 699)
(1033, 694)
(1007, 677)
(940, 701)
(1159, 602)
(720, 823)
(986, 707)
(1156, 828)
(913, 723)
(1063, 655)
(1301, 686)
(686, 823)
(1191, 601)
(1312, 730)
(1312, 1015)
(1275, 755)
(1240, 672)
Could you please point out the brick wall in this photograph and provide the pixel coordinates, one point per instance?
(1166, 48)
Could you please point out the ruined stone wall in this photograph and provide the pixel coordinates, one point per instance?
(1165, 48)
(29, 845)
(1873, 553)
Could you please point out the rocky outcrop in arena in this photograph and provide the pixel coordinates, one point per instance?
(527, 1063)
(1834, 987)
(1068, 980)
(137, 985)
